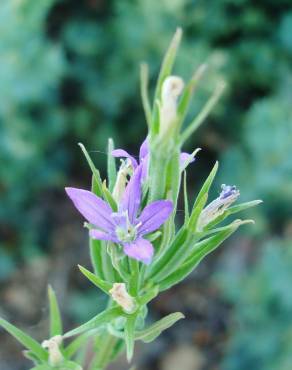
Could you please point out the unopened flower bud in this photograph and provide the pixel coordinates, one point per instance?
(122, 297)
(171, 89)
(121, 180)
(53, 346)
(228, 195)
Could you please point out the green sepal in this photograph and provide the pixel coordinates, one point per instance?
(200, 250)
(111, 165)
(101, 284)
(96, 181)
(129, 335)
(56, 326)
(97, 322)
(202, 198)
(151, 333)
(109, 198)
(27, 341)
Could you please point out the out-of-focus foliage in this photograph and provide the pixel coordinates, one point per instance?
(30, 123)
(261, 336)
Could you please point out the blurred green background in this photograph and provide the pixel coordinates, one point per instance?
(69, 73)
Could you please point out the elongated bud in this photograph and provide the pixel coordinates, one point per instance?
(171, 89)
(121, 180)
(228, 195)
(122, 297)
(53, 347)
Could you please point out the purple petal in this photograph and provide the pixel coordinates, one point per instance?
(154, 215)
(100, 235)
(122, 153)
(145, 163)
(132, 195)
(93, 208)
(184, 157)
(141, 250)
(144, 150)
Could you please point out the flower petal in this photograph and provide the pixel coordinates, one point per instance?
(122, 153)
(141, 250)
(184, 159)
(132, 195)
(144, 150)
(154, 215)
(100, 235)
(93, 208)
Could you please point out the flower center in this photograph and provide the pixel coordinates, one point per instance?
(126, 234)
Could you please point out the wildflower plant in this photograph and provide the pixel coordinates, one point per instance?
(136, 249)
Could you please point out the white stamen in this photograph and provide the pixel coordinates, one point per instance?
(53, 345)
(122, 297)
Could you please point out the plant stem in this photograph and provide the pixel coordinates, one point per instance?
(104, 355)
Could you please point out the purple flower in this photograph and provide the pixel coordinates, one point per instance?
(126, 227)
(144, 158)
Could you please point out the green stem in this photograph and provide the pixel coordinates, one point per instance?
(104, 355)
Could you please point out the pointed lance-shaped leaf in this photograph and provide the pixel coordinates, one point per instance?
(202, 198)
(56, 327)
(151, 333)
(96, 181)
(144, 79)
(201, 250)
(101, 284)
(97, 322)
(27, 341)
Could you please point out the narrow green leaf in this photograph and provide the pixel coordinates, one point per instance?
(27, 341)
(101, 284)
(97, 322)
(188, 92)
(202, 198)
(95, 256)
(109, 198)
(168, 61)
(151, 333)
(160, 267)
(130, 335)
(144, 78)
(74, 346)
(111, 165)
(201, 250)
(200, 118)
(96, 183)
(56, 327)
(165, 70)
(186, 200)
